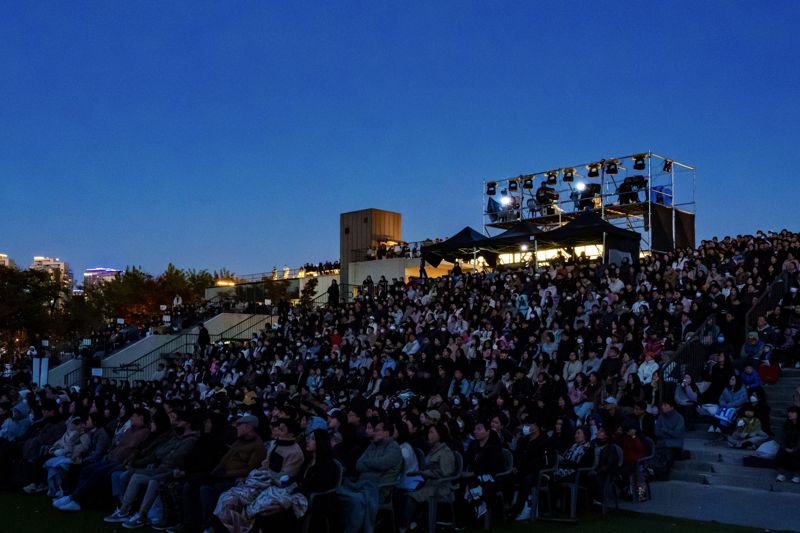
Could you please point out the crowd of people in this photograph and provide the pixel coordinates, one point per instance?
(390, 250)
(420, 390)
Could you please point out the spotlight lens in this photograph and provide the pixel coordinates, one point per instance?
(581, 186)
(524, 247)
(505, 200)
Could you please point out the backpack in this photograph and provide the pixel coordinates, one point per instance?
(769, 373)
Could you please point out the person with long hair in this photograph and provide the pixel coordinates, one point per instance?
(440, 463)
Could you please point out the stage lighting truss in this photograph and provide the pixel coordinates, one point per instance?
(527, 182)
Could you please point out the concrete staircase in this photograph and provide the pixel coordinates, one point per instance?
(715, 485)
(713, 462)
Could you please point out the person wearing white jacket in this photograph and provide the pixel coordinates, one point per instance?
(572, 368)
(646, 369)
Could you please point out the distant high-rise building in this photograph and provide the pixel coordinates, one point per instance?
(56, 267)
(6, 261)
(93, 276)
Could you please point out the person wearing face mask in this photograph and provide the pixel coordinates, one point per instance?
(748, 433)
(532, 454)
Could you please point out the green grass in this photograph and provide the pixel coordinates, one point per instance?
(24, 513)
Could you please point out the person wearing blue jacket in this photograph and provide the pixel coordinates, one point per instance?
(734, 395)
(751, 379)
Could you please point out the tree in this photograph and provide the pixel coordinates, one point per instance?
(197, 282)
(28, 305)
(277, 291)
(308, 293)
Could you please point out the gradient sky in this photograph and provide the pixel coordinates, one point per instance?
(233, 134)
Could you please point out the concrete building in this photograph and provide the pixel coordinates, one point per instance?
(93, 276)
(363, 229)
(56, 267)
(7, 261)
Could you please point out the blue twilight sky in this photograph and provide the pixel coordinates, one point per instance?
(233, 134)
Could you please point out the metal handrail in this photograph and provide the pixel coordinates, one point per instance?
(239, 327)
(691, 355)
(768, 299)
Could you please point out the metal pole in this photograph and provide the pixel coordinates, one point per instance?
(650, 201)
(605, 257)
(674, 241)
(603, 189)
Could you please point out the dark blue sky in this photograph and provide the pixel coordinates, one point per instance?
(234, 133)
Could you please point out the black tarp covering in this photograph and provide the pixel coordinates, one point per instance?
(511, 239)
(464, 245)
(588, 228)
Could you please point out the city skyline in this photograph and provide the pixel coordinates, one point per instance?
(210, 138)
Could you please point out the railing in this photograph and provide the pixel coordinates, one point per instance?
(75, 377)
(408, 250)
(237, 329)
(184, 343)
(767, 301)
(691, 355)
(287, 273)
(150, 360)
(347, 294)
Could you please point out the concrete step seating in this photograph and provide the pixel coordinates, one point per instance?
(714, 463)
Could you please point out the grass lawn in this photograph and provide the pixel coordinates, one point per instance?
(23, 513)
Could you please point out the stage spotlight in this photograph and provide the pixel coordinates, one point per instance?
(491, 188)
(546, 198)
(594, 170)
(513, 185)
(527, 182)
(506, 201)
(569, 175)
(552, 177)
(581, 186)
(611, 167)
(667, 165)
(524, 247)
(638, 161)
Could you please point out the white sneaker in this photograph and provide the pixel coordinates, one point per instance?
(135, 521)
(60, 501)
(525, 514)
(711, 429)
(33, 488)
(796, 479)
(780, 478)
(117, 517)
(797, 364)
(70, 506)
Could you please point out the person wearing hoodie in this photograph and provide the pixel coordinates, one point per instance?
(17, 423)
(69, 450)
(149, 480)
(747, 433)
(94, 474)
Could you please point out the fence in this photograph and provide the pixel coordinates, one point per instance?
(146, 365)
(771, 297)
(691, 356)
(347, 294)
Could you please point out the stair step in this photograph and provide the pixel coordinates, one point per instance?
(763, 480)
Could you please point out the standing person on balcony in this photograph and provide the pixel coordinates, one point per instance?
(203, 339)
(333, 294)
